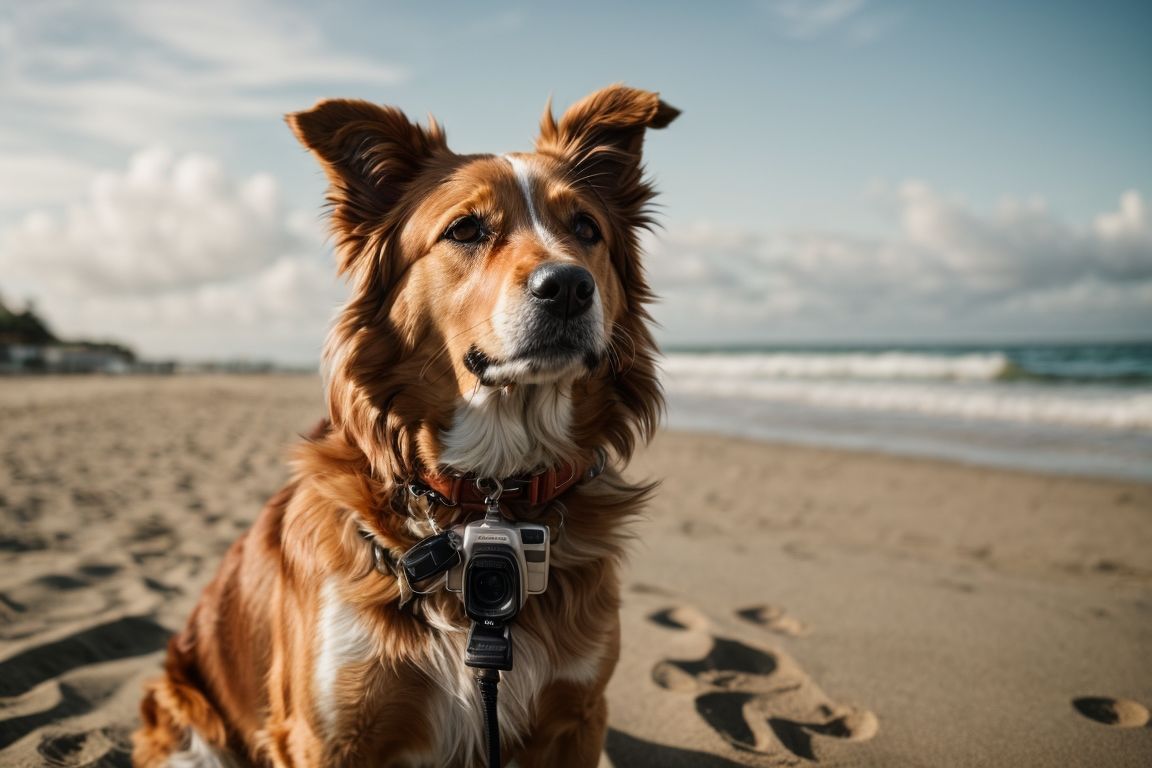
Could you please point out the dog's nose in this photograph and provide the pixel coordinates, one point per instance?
(564, 290)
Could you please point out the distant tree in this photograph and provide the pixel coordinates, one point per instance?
(23, 327)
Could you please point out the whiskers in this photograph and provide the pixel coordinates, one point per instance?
(445, 348)
(620, 333)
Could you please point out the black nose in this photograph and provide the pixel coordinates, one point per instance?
(564, 290)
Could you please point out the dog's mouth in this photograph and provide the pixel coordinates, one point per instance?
(538, 363)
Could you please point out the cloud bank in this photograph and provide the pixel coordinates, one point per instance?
(949, 272)
(177, 257)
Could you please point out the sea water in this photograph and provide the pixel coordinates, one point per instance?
(1082, 409)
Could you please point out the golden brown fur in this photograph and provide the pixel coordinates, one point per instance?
(247, 675)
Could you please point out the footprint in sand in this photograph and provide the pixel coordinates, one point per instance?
(1120, 713)
(757, 700)
(681, 617)
(774, 619)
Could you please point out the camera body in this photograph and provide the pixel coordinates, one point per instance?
(502, 564)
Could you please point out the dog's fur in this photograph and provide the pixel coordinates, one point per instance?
(299, 652)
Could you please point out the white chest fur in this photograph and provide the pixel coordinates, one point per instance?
(499, 432)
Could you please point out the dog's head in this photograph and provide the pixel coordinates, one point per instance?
(497, 321)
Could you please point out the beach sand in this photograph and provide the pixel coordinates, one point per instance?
(782, 606)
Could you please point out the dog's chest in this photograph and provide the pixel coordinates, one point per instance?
(452, 705)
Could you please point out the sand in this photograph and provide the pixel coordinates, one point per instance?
(783, 605)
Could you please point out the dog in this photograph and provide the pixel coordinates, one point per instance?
(496, 330)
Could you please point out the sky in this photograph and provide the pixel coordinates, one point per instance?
(844, 171)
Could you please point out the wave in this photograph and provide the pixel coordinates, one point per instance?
(1096, 408)
(988, 366)
(1128, 366)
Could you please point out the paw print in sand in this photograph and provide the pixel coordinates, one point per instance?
(758, 700)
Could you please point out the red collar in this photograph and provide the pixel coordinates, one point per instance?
(534, 490)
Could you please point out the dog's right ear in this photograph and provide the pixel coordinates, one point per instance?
(370, 154)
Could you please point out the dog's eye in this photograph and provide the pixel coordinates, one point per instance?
(466, 229)
(585, 229)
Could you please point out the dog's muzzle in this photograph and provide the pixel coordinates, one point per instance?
(557, 330)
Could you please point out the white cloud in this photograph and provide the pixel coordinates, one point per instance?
(36, 178)
(812, 19)
(132, 72)
(168, 222)
(1125, 238)
(279, 313)
(175, 256)
(252, 44)
(950, 272)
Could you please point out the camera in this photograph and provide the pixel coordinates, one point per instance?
(502, 564)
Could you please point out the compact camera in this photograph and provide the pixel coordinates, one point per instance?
(502, 563)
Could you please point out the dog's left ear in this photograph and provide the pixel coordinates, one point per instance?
(370, 154)
(602, 135)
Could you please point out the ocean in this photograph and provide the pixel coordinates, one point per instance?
(1077, 408)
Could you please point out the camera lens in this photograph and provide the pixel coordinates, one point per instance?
(491, 588)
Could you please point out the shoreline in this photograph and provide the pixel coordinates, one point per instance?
(934, 452)
(1122, 454)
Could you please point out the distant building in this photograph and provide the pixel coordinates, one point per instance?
(28, 346)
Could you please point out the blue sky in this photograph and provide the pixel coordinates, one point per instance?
(845, 170)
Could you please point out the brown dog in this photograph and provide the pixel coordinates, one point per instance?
(496, 330)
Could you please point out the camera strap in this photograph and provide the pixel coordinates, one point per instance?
(489, 652)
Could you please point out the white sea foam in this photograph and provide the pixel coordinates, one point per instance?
(958, 387)
(849, 365)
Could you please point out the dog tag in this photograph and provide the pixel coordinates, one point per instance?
(431, 557)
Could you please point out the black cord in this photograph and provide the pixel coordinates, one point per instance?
(488, 680)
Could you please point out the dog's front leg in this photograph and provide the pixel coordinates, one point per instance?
(572, 719)
(570, 730)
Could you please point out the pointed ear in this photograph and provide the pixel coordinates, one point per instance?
(602, 135)
(370, 154)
